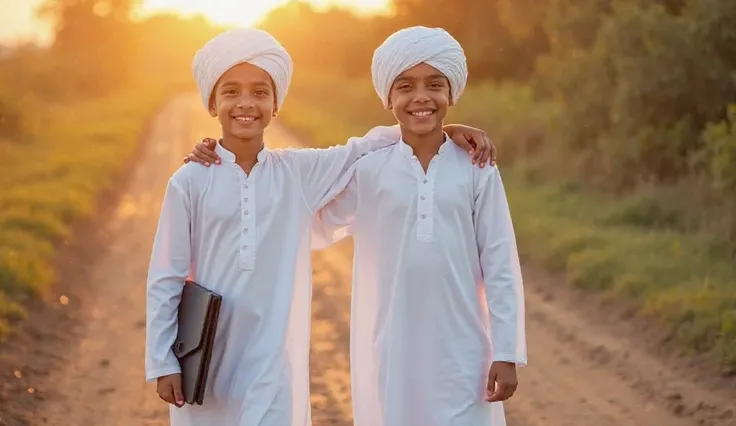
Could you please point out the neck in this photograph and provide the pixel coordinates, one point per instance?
(245, 150)
(424, 145)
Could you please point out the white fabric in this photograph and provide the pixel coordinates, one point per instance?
(437, 287)
(409, 47)
(247, 238)
(238, 46)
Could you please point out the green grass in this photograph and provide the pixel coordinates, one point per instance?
(638, 247)
(53, 178)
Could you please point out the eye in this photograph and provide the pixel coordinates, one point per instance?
(261, 93)
(437, 85)
(404, 86)
(230, 92)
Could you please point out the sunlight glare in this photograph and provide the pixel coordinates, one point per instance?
(243, 13)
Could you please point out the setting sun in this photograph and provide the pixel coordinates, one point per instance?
(248, 12)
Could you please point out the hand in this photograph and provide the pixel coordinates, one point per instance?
(169, 389)
(474, 141)
(502, 381)
(203, 153)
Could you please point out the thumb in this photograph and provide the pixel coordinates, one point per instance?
(178, 395)
(498, 394)
(211, 143)
(491, 385)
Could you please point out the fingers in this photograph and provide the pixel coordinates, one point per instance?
(205, 151)
(492, 150)
(481, 148)
(466, 144)
(503, 391)
(477, 152)
(485, 152)
(178, 395)
(166, 393)
(169, 390)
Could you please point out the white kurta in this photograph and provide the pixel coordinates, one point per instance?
(246, 237)
(436, 279)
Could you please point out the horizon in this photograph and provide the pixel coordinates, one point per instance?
(21, 25)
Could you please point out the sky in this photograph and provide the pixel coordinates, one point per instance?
(19, 23)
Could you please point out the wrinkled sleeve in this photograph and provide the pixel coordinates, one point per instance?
(499, 261)
(321, 170)
(168, 270)
(334, 221)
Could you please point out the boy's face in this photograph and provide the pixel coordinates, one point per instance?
(244, 101)
(419, 99)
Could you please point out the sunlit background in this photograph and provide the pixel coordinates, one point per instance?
(19, 22)
(615, 123)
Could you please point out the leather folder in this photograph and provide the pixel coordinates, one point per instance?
(199, 310)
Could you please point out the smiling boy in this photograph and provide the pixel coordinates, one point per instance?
(437, 321)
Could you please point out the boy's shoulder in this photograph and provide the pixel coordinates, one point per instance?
(377, 157)
(191, 176)
(464, 159)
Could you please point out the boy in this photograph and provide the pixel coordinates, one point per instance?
(438, 314)
(243, 231)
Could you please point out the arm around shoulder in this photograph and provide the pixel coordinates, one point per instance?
(321, 171)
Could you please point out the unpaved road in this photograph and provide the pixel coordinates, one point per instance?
(88, 369)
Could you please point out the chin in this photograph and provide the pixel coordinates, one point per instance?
(247, 134)
(422, 129)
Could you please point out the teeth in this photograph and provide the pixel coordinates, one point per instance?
(245, 119)
(421, 113)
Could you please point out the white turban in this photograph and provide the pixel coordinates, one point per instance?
(409, 47)
(235, 47)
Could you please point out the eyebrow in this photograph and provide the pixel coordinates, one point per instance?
(431, 76)
(254, 83)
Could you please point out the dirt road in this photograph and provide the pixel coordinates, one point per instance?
(88, 368)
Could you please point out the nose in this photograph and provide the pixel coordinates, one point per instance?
(421, 95)
(245, 102)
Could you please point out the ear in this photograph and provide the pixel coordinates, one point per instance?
(213, 108)
(275, 112)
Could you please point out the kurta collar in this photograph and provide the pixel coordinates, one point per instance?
(409, 151)
(229, 157)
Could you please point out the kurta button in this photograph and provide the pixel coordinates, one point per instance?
(245, 199)
(422, 197)
(424, 216)
(425, 180)
(245, 231)
(246, 212)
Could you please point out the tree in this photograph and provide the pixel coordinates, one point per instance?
(94, 43)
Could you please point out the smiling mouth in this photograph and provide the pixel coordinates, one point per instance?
(245, 119)
(422, 114)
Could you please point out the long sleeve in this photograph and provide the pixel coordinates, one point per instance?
(499, 261)
(321, 169)
(333, 222)
(168, 270)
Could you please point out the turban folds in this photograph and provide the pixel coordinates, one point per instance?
(239, 46)
(409, 47)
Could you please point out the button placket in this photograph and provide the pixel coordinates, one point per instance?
(425, 204)
(247, 221)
